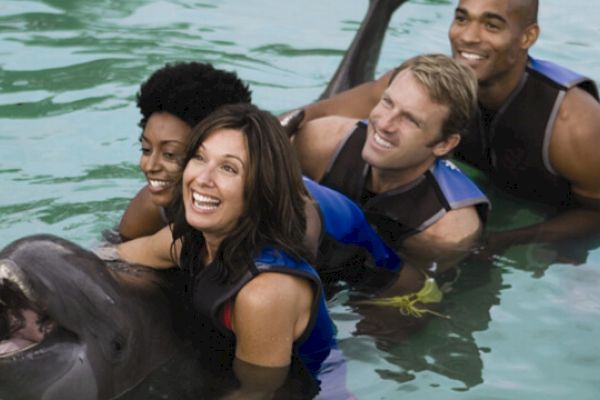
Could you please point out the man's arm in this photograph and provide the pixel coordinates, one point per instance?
(316, 142)
(574, 146)
(141, 218)
(353, 103)
(574, 156)
(444, 243)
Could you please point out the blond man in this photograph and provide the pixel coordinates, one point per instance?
(394, 165)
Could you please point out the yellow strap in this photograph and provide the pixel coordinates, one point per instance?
(430, 293)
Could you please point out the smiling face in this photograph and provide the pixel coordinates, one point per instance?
(163, 145)
(403, 130)
(214, 184)
(493, 37)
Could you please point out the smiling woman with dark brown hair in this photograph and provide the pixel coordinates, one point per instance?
(239, 233)
(171, 102)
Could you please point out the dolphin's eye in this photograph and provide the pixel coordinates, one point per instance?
(116, 346)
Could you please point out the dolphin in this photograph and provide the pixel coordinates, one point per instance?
(360, 60)
(103, 326)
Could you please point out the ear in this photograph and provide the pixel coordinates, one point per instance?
(445, 146)
(530, 36)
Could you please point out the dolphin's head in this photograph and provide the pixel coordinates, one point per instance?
(101, 329)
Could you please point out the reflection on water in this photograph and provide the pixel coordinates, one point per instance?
(443, 346)
(69, 71)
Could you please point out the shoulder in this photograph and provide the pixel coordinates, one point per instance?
(317, 141)
(456, 227)
(269, 314)
(577, 102)
(574, 144)
(275, 304)
(330, 128)
(272, 290)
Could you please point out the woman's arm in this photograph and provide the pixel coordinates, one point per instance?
(153, 251)
(269, 314)
(141, 218)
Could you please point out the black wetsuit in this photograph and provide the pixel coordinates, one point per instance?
(511, 145)
(404, 211)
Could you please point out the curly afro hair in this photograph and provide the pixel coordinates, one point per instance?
(189, 91)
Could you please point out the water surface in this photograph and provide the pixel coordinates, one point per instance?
(523, 326)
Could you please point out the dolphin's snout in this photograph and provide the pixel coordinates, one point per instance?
(11, 272)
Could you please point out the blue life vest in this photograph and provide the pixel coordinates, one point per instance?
(210, 296)
(345, 222)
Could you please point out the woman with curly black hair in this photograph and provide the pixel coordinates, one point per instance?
(172, 101)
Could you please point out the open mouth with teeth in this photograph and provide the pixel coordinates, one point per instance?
(204, 202)
(472, 59)
(381, 141)
(24, 327)
(471, 56)
(159, 184)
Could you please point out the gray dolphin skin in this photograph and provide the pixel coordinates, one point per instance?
(107, 324)
(360, 60)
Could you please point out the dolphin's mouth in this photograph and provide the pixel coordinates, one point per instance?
(23, 324)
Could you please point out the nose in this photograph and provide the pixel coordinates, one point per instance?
(150, 162)
(205, 176)
(384, 122)
(470, 33)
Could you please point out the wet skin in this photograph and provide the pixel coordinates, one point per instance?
(403, 128)
(493, 37)
(213, 185)
(163, 145)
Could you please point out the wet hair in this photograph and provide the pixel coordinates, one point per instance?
(274, 195)
(448, 83)
(189, 91)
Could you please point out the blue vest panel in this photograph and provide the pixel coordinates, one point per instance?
(345, 222)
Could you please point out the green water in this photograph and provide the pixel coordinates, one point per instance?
(525, 328)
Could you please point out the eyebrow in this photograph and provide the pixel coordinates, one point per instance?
(408, 114)
(386, 95)
(224, 155)
(414, 118)
(489, 15)
(485, 15)
(144, 138)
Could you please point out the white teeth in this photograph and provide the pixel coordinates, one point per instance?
(381, 141)
(158, 184)
(471, 56)
(10, 272)
(205, 202)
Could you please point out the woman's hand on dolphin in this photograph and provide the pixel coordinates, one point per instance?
(107, 253)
